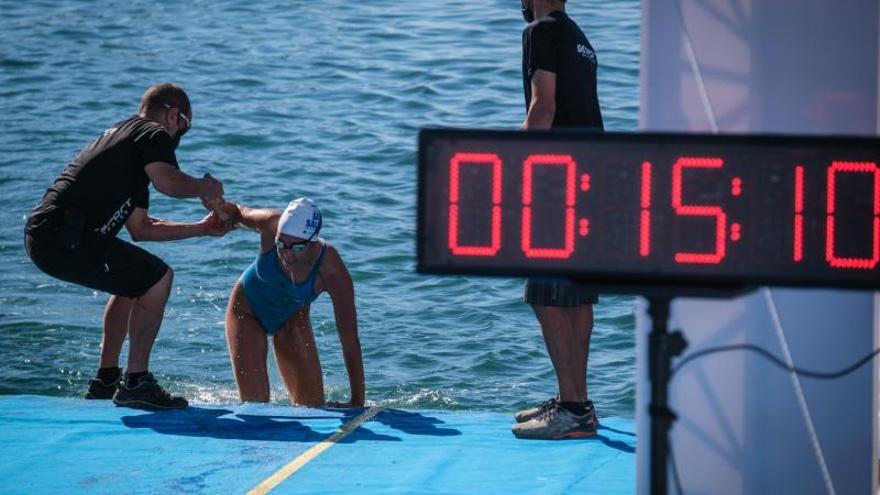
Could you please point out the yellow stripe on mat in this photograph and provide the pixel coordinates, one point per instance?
(304, 458)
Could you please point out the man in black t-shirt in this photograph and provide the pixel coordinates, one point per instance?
(71, 235)
(559, 80)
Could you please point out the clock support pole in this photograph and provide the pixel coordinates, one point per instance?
(662, 348)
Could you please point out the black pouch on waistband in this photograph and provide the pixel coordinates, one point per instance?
(73, 228)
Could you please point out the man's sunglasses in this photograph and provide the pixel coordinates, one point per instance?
(183, 116)
(293, 246)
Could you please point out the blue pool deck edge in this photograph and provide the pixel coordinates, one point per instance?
(55, 445)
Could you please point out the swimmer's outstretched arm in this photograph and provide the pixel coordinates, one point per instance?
(339, 285)
(262, 220)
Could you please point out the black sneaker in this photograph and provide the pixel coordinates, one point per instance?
(147, 394)
(101, 390)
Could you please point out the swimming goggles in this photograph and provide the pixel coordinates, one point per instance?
(293, 246)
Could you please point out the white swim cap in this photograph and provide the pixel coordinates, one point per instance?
(302, 218)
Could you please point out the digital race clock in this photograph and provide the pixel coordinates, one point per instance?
(651, 209)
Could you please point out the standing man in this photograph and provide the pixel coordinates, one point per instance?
(71, 235)
(559, 79)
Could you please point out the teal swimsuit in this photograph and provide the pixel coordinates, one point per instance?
(272, 295)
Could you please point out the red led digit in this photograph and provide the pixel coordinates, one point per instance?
(798, 213)
(852, 263)
(526, 234)
(645, 220)
(455, 165)
(699, 211)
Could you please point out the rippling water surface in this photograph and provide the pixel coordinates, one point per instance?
(322, 99)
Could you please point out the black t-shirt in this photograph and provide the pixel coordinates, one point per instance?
(106, 181)
(556, 44)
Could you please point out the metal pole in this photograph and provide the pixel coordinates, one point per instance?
(662, 347)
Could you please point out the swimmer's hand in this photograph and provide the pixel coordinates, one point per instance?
(215, 227)
(228, 212)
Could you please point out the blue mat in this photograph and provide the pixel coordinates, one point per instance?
(54, 445)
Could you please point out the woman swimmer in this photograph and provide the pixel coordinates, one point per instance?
(272, 297)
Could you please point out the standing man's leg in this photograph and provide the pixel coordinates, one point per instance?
(566, 324)
(143, 326)
(117, 314)
(129, 269)
(567, 334)
(141, 317)
(582, 325)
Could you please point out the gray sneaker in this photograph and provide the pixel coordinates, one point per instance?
(147, 394)
(534, 412)
(558, 423)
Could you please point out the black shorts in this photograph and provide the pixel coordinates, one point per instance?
(558, 292)
(108, 265)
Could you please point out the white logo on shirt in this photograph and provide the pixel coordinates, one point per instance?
(118, 217)
(585, 52)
